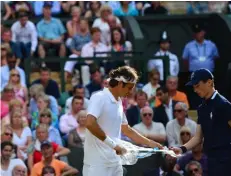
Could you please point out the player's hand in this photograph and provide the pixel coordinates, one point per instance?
(120, 150)
(176, 150)
(153, 144)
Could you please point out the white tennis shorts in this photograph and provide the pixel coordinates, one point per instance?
(102, 170)
(69, 65)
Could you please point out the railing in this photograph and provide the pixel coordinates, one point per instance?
(138, 60)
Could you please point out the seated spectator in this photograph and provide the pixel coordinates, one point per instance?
(181, 119)
(54, 5)
(42, 101)
(45, 117)
(7, 163)
(174, 68)
(5, 71)
(164, 111)
(155, 9)
(51, 33)
(195, 155)
(151, 86)
(116, 4)
(48, 170)
(37, 89)
(126, 9)
(197, 7)
(94, 10)
(4, 49)
(22, 136)
(6, 11)
(6, 39)
(20, 90)
(24, 35)
(78, 90)
(194, 169)
(19, 170)
(35, 154)
(68, 121)
(102, 23)
(67, 5)
(78, 41)
(60, 167)
(133, 113)
(50, 86)
(96, 83)
(152, 130)
(76, 137)
(185, 135)
(73, 25)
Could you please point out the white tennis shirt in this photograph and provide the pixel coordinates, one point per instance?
(110, 117)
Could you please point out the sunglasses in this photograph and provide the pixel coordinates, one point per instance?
(184, 133)
(45, 115)
(193, 170)
(15, 75)
(147, 114)
(178, 110)
(8, 134)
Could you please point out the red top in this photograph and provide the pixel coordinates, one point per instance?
(37, 156)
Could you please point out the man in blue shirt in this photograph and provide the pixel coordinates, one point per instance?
(214, 124)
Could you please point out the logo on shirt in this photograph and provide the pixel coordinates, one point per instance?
(211, 115)
(192, 76)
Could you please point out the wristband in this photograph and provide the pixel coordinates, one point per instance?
(110, 142)
(56, 155)
(184, 149)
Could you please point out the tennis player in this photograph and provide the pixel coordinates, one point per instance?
(214, 124)
(105, 121)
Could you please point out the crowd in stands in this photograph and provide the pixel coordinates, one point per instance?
(39, 124)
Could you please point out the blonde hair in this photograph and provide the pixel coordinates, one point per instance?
(36, 89)
(14, 102)
(17, 112)
(105, 7)
(11, 73)
(81, 113)
(43, 127)
(6, 127)
(44, 97)
(47, 112)
(185, 129)
(76, 8)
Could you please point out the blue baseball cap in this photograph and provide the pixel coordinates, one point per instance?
(199, 75)
(46, 143)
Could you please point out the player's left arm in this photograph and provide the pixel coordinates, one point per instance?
(138, 138)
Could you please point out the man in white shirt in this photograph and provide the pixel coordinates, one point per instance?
(174, 126)
(105, 121)
(68, 121)
(24, 35)
(8, 164)
(5, 71)
(164, 51)
(152, 130)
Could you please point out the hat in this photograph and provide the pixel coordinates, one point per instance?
(164, 37)
(45, 143)
(199, 75)
(48, 4)
(197, 28)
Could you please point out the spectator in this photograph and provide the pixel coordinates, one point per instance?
(164, 111)
(60, 167)
(19, 170)
(39, 5)
(68, 121)
(45, 117)
(5, 10)
(152, 85)
(126, 9)
(67, 5)
(173, 126)
(73, 25)
(78, 41)
(155, 9)
(42, 101)
(200, 53)
(20, 6)
(8, 164)
(78, 90)
(152, 130)
(22, 136)
(194, 7)
(193, 169)
(5, 71)
(95, 84)
(4, 49)
(34, 150)
(215, 7)
(195, 155)
(20, 91)
(102, 23)
(76, 136)
(185, 135)
(94, 10)
(6, 38)
(133, 113)
(24, 35)
(48, 170)
(37, 89)
(51, 33)
(174, 68)
(50, 86)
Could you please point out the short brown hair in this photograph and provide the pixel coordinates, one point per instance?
(153, 72)
(141, 93)
(94, 30)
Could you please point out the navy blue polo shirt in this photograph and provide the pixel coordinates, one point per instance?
(214, 116)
